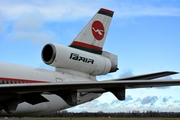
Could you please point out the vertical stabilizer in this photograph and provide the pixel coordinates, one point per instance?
(93, 36)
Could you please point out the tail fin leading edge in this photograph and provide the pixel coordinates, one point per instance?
(93, 36)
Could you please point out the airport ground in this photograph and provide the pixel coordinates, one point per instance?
(83, 118)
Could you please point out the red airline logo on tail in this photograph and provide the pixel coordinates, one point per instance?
(98, 30)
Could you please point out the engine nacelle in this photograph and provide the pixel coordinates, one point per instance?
(114, 60)
(74, 59)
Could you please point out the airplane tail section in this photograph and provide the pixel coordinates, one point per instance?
(93, 36)
(91, 39)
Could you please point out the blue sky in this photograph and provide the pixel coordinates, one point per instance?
(144, 34)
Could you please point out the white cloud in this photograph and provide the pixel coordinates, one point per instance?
(149, 100)
(30, 26)
(126, 73)
(52, 10)
(165, 99)
(71, 10)
(135, 10)
(33, 36)
(2, 26)
(32, 21)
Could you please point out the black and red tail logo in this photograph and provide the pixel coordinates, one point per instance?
(98, 30)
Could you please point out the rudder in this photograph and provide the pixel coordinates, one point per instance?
(93, 35)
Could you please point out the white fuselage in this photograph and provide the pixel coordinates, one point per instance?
(15, 74)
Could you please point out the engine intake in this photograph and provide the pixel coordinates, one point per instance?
(48, 53)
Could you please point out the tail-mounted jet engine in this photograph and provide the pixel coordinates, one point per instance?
(74, 59)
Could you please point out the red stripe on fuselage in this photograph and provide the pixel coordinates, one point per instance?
(15, 80)
(85, 45)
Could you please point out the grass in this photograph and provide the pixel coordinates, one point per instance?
(99, 118)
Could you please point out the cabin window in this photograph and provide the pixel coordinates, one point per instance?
(5, 82)
(9, 82)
